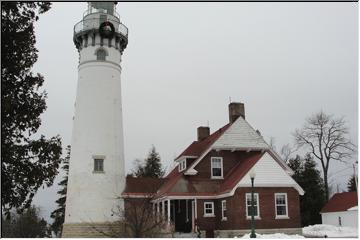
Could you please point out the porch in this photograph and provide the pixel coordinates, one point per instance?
(179, 213)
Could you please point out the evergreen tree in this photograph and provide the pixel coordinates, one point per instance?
(25, 225)
(59, 214)
(352, 184)
(27, 163)
(151, 167)
(309, 178)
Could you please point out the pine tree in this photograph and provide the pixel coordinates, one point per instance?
(27, 162)
(352, 184)
(151, 167)
(25, 225)
(59, 214)
(309, 178)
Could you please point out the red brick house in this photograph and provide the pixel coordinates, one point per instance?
(210, 186)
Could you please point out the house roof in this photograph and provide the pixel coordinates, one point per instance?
(196, 148)
(142, 185)
(239, 171)
(179, 184)
(235, 136)
(341, 202)
(241, 135)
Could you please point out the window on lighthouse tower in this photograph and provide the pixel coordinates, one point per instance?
(101, 54)
(98, 165)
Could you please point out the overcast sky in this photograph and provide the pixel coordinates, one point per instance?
(184, 61)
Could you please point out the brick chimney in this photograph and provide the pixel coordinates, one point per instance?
(202, 133)
(236, 109)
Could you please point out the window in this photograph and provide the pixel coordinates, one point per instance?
(103, 18)
(223, 210)
(281, 208)
(216, 167)
(98, 165)
(209, 209)
(256, 205)
(182, 165)
(101, 54)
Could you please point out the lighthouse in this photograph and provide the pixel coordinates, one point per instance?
(96, 171)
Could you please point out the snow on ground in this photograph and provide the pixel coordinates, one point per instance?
(273, 236)
(320, 230)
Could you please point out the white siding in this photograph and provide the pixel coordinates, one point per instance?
(348, 218)
(269, 174)
(241, 135)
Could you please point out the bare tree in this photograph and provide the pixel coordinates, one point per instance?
(142, 219)
(286, 152)
(138, 220)
(272, 143)
(327, 139)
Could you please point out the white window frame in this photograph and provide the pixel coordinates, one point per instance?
(182, 165)
(212, 214)
(223, 209)
(222, 168)
(257, 205)
(286, 204)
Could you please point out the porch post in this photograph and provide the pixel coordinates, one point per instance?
(163, 209)
(157, 210)
(195, 208)
(168, 210)
(153, 209)
(195, 215)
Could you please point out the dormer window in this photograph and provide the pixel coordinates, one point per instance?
(216, 167)
(182, 165)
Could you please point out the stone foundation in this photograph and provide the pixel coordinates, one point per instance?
(104, 230)
(233, 233)
(93, 230)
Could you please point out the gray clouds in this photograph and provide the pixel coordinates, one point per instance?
(285, 61)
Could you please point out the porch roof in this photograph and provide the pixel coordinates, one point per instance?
(142, 185)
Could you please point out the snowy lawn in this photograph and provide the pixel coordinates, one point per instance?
(320, 230)
(273, 236)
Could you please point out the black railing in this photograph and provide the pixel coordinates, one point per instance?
(94, 23)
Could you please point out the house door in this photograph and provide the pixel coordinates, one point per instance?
(183, 216)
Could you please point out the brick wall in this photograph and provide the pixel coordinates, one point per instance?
(236, 211)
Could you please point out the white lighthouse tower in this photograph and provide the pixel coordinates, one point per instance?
(96, 171)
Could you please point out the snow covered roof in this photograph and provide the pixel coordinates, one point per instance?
(353, 208)
(240, 135)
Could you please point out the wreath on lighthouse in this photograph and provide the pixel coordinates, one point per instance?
(107, 29)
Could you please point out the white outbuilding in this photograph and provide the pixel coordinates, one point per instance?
(341, 210)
